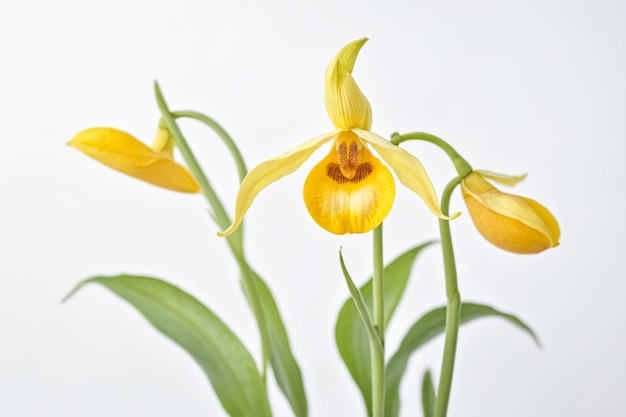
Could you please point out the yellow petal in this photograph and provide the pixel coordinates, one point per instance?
(514, 223)
(408, 169)
(349, 205)
(124, 153)
(548, 219)
(503, 179)
(346, 105)
(163, 143)
(272, 170)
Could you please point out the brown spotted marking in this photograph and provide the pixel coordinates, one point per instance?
(348, 158)
(333, 171)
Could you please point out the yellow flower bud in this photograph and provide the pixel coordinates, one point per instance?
(513, 223)
(163, 143)
(122, 152)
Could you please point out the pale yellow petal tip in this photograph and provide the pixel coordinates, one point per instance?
(444, 217)
(344, 59)
(229, 231)
(193, 188)
(502, 179)
(77, 139)
(348, 54)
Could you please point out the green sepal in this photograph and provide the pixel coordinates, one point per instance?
(179, 316)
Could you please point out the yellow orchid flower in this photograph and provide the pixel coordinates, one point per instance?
(513, 223)
(123, 152)
(350, 190)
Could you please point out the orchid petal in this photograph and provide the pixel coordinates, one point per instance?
(123, 152)
(548, 219)
(514, 223)
(408, 169)
(163, 143)
(514, 207)
(270, 171)
(346, 105)
(503, 179)
(349, 205)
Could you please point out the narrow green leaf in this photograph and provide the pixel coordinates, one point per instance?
(359, 303)
(179, 316)
(284, 365)
(351, 334)
(425, 329)
(428, 395)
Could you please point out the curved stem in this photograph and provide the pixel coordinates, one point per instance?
(453, 312)
(235, 240)
(378, 355)
(463, 168)
(228, 141)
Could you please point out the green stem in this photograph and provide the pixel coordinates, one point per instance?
(453, 312)
(463, 168)
(235, 240)
(378, 355)
(228, 141)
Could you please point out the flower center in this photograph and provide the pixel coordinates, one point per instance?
(352, 160)
(348, 157)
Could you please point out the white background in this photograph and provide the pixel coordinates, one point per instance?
(516, 86)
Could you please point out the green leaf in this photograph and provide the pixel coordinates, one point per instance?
(284, 365)
(179, 316)
(359, 303)
(425, 329)
(351, 334)
(428, 395)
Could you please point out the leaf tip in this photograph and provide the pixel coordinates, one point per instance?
(75, 290)
(537, 341)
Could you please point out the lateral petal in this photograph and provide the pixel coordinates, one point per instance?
(408, 169)
(270, 171)
(503, 179)
(123, 152)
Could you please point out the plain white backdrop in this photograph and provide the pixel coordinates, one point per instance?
(515, 86)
